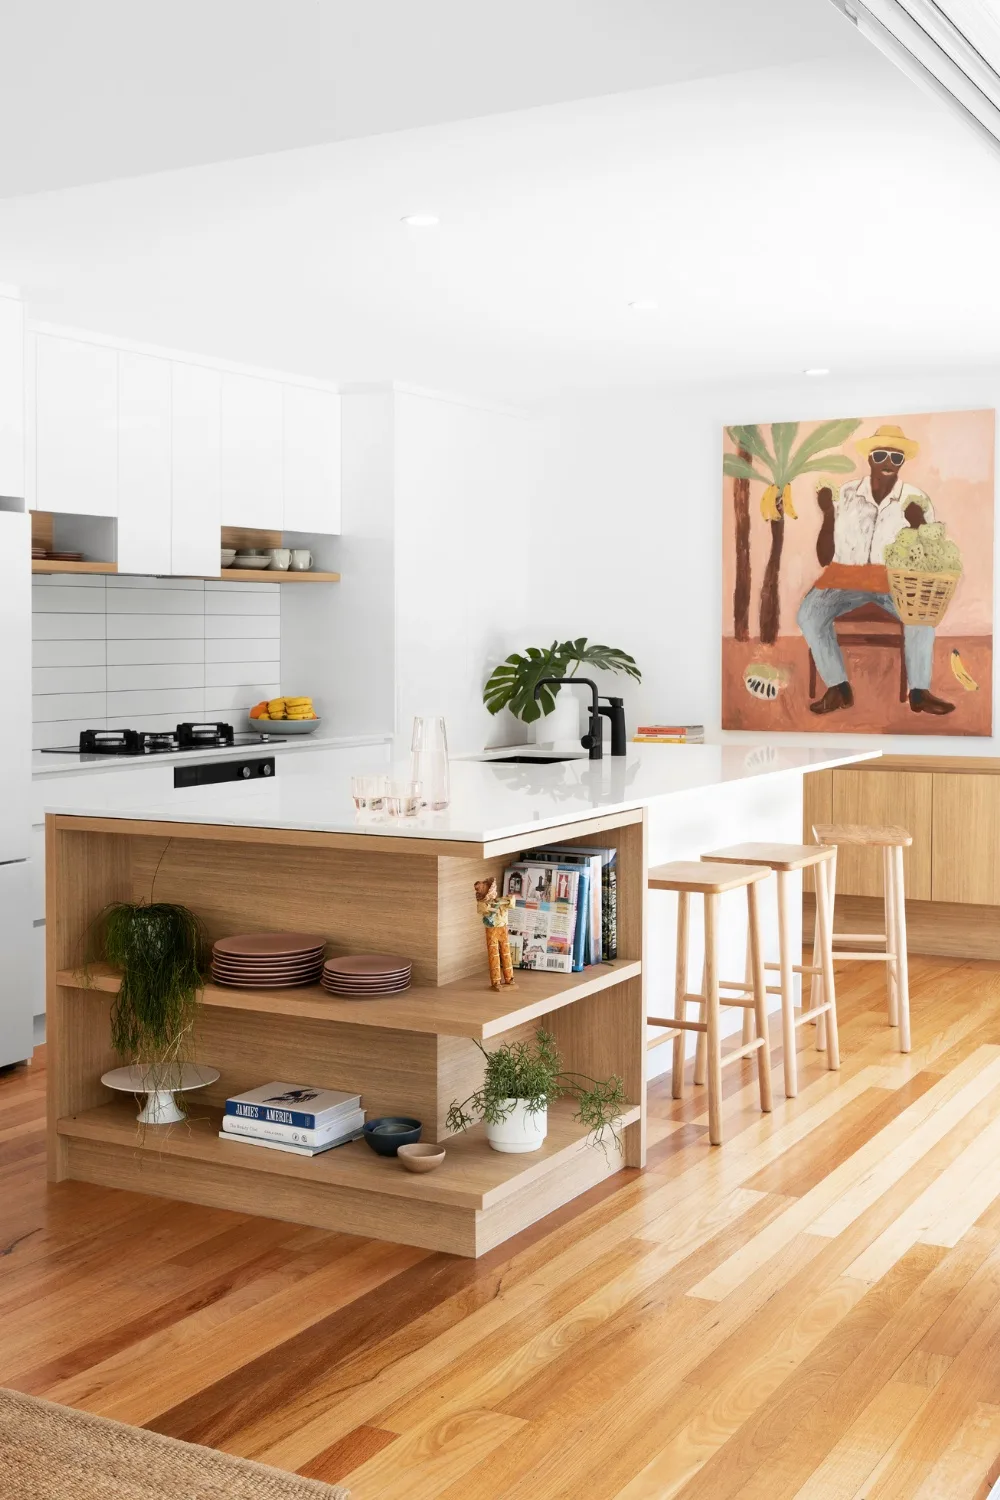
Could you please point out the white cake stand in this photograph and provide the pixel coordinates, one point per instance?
(159, 1085)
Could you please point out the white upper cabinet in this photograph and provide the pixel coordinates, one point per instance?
(11, 397)
(76, 427)
(251, 452)
(196, 465)
(311, 459)
(144, 464)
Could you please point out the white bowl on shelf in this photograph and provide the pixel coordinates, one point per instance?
(228, 556)
(252, 560)
(283, 726)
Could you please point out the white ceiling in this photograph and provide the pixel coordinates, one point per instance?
(815, 211)
(116, 88)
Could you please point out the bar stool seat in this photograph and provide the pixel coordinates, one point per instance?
(892, 841)
(687, 878)
(784, 860)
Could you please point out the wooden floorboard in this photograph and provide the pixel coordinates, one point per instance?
(811, 1312)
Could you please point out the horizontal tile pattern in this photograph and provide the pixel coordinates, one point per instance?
(145, 653)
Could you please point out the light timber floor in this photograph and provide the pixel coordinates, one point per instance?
(812, 1311)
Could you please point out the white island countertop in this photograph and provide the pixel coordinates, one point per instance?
(490, 800)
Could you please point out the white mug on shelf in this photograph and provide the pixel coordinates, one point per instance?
(302, 560)
(280, 558)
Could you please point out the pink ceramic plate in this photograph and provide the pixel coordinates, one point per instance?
(269, 945)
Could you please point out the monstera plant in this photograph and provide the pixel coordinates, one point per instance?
(512, 684)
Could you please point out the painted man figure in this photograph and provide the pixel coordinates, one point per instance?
(856, 528)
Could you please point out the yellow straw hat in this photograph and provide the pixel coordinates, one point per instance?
(888, 437)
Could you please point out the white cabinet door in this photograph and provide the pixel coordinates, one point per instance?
(251, 452)
(11, 397)
(144, 464)
(17, 995)
(15, 686)
(311, 459)
(196, 461)
(76, 427)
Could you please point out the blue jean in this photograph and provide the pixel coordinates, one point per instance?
(821, 607)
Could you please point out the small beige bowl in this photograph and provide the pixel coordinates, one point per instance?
(421, 1157)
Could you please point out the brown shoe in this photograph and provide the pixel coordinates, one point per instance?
(923, 702)
(839, 696)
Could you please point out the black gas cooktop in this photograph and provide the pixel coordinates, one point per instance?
(160, 742)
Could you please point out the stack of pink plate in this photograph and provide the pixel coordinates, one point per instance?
(268, 960)
(362, 976)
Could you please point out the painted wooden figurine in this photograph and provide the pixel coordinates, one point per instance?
(493, 909)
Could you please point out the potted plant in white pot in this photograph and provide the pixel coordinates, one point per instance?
(522, 1079)
(554, 715)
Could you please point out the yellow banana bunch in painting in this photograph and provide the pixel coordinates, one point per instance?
(963, 674)
(769, 507)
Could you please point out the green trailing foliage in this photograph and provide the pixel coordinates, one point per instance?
(157, 949)
(533, 1071)
(512, 684)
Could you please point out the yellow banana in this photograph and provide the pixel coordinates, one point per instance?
(962, 673)
(769, 503)
(786, 503)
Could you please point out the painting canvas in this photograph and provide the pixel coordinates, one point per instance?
(858, 575)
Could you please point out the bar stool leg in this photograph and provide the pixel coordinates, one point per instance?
(756, 958)
(816, 988)
(892, 966)
(787, 988)
(712, 1019)
(899, 937)
(824, 914)
(701, 1046)
(748, 979)
(680, 990)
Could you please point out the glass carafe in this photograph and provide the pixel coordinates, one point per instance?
(429, 762)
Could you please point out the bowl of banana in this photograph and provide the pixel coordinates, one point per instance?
(281, 716)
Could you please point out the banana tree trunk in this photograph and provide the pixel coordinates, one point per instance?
(770, 614)
(741, 589)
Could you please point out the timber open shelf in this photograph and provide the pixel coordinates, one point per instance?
(227, 575)
(410, 1054)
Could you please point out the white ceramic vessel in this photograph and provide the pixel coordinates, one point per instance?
(159, 1085)
(520, 1131)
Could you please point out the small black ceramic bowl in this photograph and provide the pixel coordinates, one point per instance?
(386, 1135)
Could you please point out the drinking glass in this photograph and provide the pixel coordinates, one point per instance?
(429, 761)
(369, 792)
(403, 799)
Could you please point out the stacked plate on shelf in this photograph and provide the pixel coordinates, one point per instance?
(268, 960)
(363, 976)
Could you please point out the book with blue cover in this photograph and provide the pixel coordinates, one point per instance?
(299, 1104)
(603, 892)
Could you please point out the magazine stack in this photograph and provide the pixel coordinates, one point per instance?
(565, 908)
(293, 1117)
(669, 734)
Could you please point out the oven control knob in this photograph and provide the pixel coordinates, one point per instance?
(246, 771)
(267, 770)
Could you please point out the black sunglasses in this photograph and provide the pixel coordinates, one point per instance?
(881, 454)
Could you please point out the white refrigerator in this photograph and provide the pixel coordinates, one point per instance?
(16, 989)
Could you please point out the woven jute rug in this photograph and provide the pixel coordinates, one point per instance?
(54, 1453)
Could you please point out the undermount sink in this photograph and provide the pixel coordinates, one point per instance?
(529, 760)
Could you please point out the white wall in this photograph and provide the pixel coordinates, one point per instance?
(148, 653)
(631, 508)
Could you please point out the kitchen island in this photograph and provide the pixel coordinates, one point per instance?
(292, 854)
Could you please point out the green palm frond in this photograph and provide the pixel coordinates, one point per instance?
(749, 438)
(834, 463)
(826, 435)
(738, 468)
(783, 435)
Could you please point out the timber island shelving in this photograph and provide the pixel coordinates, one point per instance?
(406, 1054)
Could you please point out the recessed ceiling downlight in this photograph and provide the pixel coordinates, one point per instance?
(817, 371)
(644, 304)
(421, 221)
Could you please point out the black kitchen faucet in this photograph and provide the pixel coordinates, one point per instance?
(593, 740)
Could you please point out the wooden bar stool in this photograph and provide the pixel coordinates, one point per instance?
(892, 841)
(784, 860)
(687, 878)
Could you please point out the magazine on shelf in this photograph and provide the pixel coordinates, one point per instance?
(295, 1135)
(247, 1140)
(298, 1104)
(602, 933)
(544, 921)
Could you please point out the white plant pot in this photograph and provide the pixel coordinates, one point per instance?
(520, 1131)
(560, 728)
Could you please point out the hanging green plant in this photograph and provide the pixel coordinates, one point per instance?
(157, 949)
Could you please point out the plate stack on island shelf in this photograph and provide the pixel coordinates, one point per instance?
(268, 960)
(363, 976)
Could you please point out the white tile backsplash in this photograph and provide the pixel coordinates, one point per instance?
(146, 653)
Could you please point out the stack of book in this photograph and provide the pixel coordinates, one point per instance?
(565, 911)
(293, 1117)
(669, 734)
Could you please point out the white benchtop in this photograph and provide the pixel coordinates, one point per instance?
(489, 800)
(44, 763)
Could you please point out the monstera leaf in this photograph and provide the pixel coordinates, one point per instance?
(512, 684)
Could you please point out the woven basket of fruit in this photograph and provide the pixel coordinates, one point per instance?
(923, 568)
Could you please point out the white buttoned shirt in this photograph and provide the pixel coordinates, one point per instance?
(862, 528)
